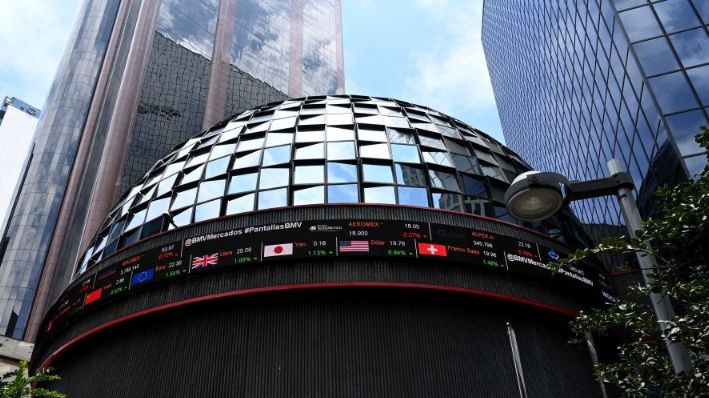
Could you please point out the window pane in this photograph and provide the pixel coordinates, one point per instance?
(447, 201)
(193, 175)
(700, 80)
(248, 145)
(341, 172)
(379, 195)
(309, 174)
(377, 173)
(366, 134)
(315, 151)
(456, 148)
(413, 196)
(197, 160)
(703, 8)
(173, 168)
(222, 150)
(276, 155)
(210, 190)
(692, 46)
(281, 124)
(640, 23)
(271, 178)
(347, 193)
(676, 15)
(443, 180)
(166, 185)
(493, 171)
(376, 151)
(208, 210)
(273, 139)
(184, 198)
(408, 175)
(310, 136)
(250, 160)
(474, 186)
(339, 134)
(272, 198)
(405, 153)
(437, 158)
(340, 150)
(241, 204)
(656, 56)
(345, 118)
(309, 196)
(432, 142)
(400, 136)
(673, 92)
(136, 220)
(216, 167)
(182, 218)
(157, 208)
(243, 183)
(466, 163)
(684, 127)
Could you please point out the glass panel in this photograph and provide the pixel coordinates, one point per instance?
(395, 121)
(465, 163)
(309, 174)
(310, 121)
(676, 15)
(310, 136)
(273, 198)
(276, 155)
(316, 151)
(273, 139)
(248, 145)
(413, 196)
(655, 56)
(345, 118)
(474, 186)
(703, 7)
(136, 220)
(347, 193)
(184, 198)
(377, 173)
(376, 151)
(210, 190)
(437, 158)
(166, 185)
(456, 147)
(157, 208)
(222, 150)
(197, 160)
(443, 180)
(692, 47)
(208, 210)
(432, 142)
(182, 218)
(446, 201)
(700, 80)
(338, 134)
(282, 124)
(408, 175)
(479, 206)
(341, 172)
(684, 127)
(216, 167)
(173, 168)
(241, 204)
(340, 150)
(640, 23)
(250, 160)
(493, 171)
(367, 134)
(193, 175)
(230, 135)
(271, 178)
(673, 92)
(309, 196)
(379, 195)
(400, 136)
(405, 153)
(243, 183)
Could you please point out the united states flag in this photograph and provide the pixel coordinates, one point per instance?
(354, 246)
(204, 261)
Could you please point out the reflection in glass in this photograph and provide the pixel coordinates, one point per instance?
(474, 186)
(340, 150)
(379, 195)
(339, 119)
(271, 178)
(446, 201)
(273, 139)
(443, 180)
(700, 80)
(193, 175)
(376, 151)
(400, 136)
(437, 158)
(157, 208)
(684, 127)
(370, 134)
(405, 153)
(309, 174)
(640, 23)
(377, 173)
(243, 183)
(208, 210)
(413, 196)
(240, 204)
(222, 150)
(276, 155)
(273, 198)
(341, 172)
(676, 15)
(166, 185)
(315, 151)
(493, 171)
(345, 193)
(409, 175)
(673, 92)
(309, 196)
(210, 190)
(282, 124)
(466, 163)
(197, 160)
(692, 46)
(248, 145)
(173, 168)
(136, 220)
(250, 160)
(184, 198)
(310, 136)
(339, 134)
(216, 167)
(432, 142)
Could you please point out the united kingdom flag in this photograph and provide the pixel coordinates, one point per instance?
(204, 261)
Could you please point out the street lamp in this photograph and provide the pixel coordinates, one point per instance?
(537, 195)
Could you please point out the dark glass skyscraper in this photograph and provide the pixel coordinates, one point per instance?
(580, 82)
(138, 77)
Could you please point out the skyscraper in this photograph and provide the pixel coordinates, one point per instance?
(578, 83)
(138, 77)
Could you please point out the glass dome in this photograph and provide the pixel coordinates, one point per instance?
(315, 150)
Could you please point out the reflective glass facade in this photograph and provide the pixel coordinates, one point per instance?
(317, 150)
(580, 82)
(139, 77)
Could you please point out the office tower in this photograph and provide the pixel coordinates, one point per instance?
(138, 77)
(319, 247)
(578, 83)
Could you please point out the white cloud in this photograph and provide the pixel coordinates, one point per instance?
(34, 33)
(450, 70)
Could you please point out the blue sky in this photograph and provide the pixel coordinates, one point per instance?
(421, 51)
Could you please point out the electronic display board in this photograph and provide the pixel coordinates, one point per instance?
(248, 246)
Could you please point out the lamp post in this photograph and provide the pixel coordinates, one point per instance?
(536, 195)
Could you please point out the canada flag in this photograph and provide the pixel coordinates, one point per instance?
(283, 249)
(432, 249)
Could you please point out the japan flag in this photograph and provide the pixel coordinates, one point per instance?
(283, 249)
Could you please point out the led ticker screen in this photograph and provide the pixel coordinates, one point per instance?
(249, 246)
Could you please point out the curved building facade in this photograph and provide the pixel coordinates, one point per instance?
(324, 246)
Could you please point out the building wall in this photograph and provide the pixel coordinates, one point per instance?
(578, 84)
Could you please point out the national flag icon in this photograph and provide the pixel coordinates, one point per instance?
(93, 296)
(204, 261)
(282, 249)
(354, 246)
(142, 276)
(432, 249)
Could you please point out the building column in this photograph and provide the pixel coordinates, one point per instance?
(215, 109)
(295, 61)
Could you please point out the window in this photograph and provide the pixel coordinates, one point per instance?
(243, 183)
(656, 56)
(184, 198)
(673, 92)
(309, 174)
(446, 201)
(443, 180)
(474, 186)
(379, 195)
(315, 151)
(272, 198)
(240, 204)
(249, 160)
(409, 175)
(692, 47)
(208, 210)
(413, 196)
(405, 153)
(377, 173)
(210, 190)
(346, 193)
(376, 151)
(340, 150)
(309, 196)
(216, 167)
(276, 155)
(275, 139)
(271, 178)
(341, 172)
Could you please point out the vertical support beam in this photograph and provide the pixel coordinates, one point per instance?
(295, 53)
(340, 51)
(215, 109)
(517, 360)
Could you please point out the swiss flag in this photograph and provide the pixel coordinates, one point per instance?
(432, 249)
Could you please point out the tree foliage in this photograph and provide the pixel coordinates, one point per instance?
(679, 239)
(18, 385)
